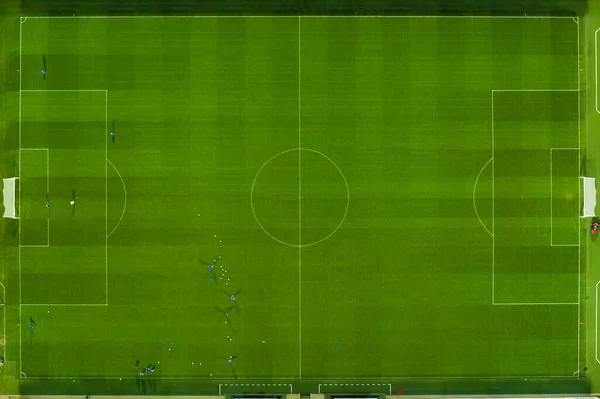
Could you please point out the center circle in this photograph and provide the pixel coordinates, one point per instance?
(299, 197)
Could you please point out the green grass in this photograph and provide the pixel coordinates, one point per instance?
(396, 118)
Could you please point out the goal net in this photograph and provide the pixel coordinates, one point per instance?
(589, 197)
(9, 195)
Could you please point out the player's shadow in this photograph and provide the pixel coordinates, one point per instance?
(225, 316)
(141, 385)
(234, 298)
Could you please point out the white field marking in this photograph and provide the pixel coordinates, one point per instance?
(3, 321)
(535, 89)
(47, 192)
(551, 202)
(70, 90)
(106, 196)
(596, 65)
(125, 190)
(352, 385)
(299, 200)
(578, 303)
(20, 142)
(307, 16)
(534, 303)
(579, 198)
(503, 377)
(252, 197)
(220, 385)
(552, 198)
(45, 246)
(475, 187)
(493, 207)
(66, 304)
(596, 329)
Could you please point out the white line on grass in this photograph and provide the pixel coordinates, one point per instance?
(474, 188)
(514, 90)
(353, 384)
(106, 196)
(534, 303)
(48, 192)
(475, 378)
(125, 204)
(70, 90)
(578, 303)
(493, 208)
(307, 16)
(596, 65)
(299, 202)
(578, 199)
(255, 385)
(20, 176)
(66, 304)
(3, 321)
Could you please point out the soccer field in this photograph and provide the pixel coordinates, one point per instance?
(385, 198)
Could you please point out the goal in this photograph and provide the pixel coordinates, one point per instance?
(589, 197)
(9, 194)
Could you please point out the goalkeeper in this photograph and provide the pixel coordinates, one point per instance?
(594, 226)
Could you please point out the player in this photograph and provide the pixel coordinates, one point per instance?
(113, 132)
(44, 71)
(595, 225)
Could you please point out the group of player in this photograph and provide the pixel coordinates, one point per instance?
(149, 369)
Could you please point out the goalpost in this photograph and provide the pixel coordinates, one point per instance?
(9, 194)
(589, 197)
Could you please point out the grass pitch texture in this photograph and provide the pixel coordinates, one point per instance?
(370, 188)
